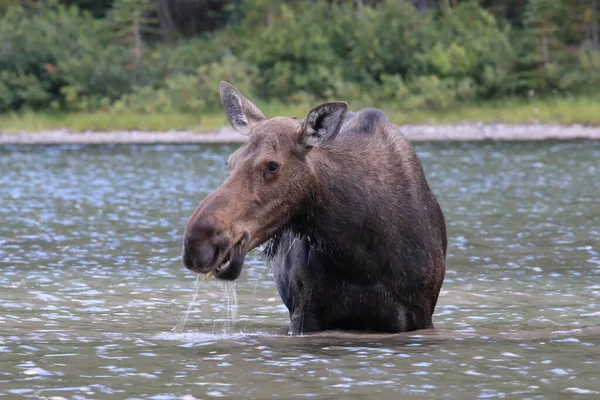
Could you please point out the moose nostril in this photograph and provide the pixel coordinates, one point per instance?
(206, 252)
(202, 244)
(188, 261)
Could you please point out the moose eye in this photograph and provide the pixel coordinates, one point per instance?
(272, 168)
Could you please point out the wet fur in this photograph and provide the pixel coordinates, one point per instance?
(367, 252)
(356, 238)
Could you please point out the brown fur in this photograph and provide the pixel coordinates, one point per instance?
(356, 237)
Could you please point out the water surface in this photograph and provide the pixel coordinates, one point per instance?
(92, 284)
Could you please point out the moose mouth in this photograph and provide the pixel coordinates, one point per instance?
(231, 267)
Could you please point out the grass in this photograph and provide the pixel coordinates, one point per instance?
(567, 111)
(106, 121)
(561, 110)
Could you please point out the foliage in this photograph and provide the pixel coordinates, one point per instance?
(192, 93)
(119, 55)
(98, 8)
(293, 59)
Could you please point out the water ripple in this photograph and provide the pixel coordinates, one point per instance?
(92, 284)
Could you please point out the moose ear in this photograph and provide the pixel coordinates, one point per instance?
(323, 123)
(240, 111)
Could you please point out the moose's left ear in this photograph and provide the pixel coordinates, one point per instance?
(241, 112)
(323, 123)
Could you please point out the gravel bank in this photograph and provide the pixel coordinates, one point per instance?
(454, 132)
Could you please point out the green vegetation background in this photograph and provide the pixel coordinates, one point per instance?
(145, 64)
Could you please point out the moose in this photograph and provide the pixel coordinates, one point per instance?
(355, 236)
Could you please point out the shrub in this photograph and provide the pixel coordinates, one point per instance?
(60, 54)
(292, 58)
(301, 51)
(190, 93)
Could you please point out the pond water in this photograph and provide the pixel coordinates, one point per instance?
(92, 284)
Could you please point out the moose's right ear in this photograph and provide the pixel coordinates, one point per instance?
(240, 111)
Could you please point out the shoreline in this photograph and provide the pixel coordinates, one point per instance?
(415, 133)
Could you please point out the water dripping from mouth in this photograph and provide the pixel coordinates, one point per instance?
(181, 325)
(232, 305)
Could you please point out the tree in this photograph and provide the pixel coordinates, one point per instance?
(422, 5)
(595, 33)
(98, 8)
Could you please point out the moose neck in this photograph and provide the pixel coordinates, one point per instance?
(350, 220)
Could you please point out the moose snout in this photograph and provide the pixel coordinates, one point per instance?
(202, 246)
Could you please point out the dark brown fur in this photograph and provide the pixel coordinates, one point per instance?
(356, 238)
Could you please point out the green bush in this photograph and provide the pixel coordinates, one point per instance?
(54, 56)
(292, 58)
(190, 93)
(60, 55)
(545, 61)
(471, 45)
(457, 60)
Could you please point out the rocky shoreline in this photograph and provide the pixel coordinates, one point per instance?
(416, 133)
